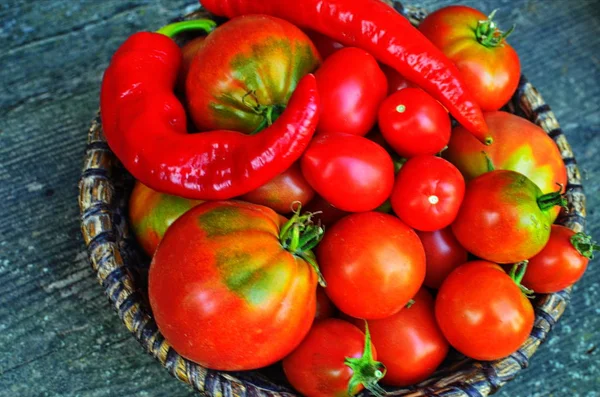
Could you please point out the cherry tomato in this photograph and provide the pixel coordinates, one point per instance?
(414, 123)
(151, 213)
(228, 291)
(335, 359)
(283, 191)
(409, 343)
(325, 308)
(519, 145)
(351, 172)
(561, 263)
(324, 212)
(373, 264)
(504, 217)
(395, 80)
(488, 64)
(482, 311)
(428, 193)
(351, 87)
(325, 44)
(443, 253)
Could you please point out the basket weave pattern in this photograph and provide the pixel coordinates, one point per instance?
(120, 266)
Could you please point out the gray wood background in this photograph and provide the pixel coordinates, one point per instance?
(58, 334)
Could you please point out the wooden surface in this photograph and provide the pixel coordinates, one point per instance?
(58, 334)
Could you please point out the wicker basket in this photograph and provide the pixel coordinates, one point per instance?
(121, 268)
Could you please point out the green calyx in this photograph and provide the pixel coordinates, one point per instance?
(176, 28)
(366, 370)
(517, 272)
(300, 235)
(488, 33)
(584, 244)
(549, 200)
(488, 162)
(269, 113)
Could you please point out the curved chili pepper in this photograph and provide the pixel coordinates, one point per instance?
(377, 28)
(145, 126)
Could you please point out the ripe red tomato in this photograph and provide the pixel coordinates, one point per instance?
(351, 172)
(373, 264)
(427, 193)
(242, 78)
(324, 212)
(335, 359)
(414, 123)
(561, 263)
(325, 44)
(488, 64)
(482, 311)
(409, 343)
(225, 292)
(519, 145)
(325, 308)
(351, 87)
(152, 212)
(443, 253)
(395, 80)
(504, 217)
(281, 192)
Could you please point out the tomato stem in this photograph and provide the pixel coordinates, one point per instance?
(584, 244)
(410, 303)
(488, 161)
(300, 235)
(488, 33)
(517, 272)
(550, 200)
(269, 113)
(174, 29)
(366, 370)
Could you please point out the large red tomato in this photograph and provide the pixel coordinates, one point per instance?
(226, 292)
(335, 359)
(152, 212)
(373, 264)
(504, 217)
(519, 145)
(488, 64)
(351, 172)
(243, 76)
(351, 86)
(283, 191)
(409, 343)
(482, 311)
(427, 193)
(443, 253)
(561, 263)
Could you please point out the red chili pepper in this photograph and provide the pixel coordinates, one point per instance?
(145, 126)
(379, 29)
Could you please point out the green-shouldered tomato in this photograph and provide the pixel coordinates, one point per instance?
(231, 285)
(245, 72)
(152, 212)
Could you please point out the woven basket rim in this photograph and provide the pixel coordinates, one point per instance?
(103, 201)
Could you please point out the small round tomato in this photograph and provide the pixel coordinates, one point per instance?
(373, 264)
(281, 192)
(519, 145)
(414, 123)
(325, 308)
(482, 311)
(443, 253)
(229, 290)
(488, 64)
(409, 343)
(395, 80)
(561, 263)
(351, 172)
(504, 217)
(335, 359)
(325, 44)
(351, 87)
(151, 213)
(428, 193)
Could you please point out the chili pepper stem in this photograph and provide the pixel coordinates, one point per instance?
(366, 370)
(300, 235)
(584, 244)
(173, 29)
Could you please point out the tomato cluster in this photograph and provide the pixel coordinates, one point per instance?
(430, 233)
